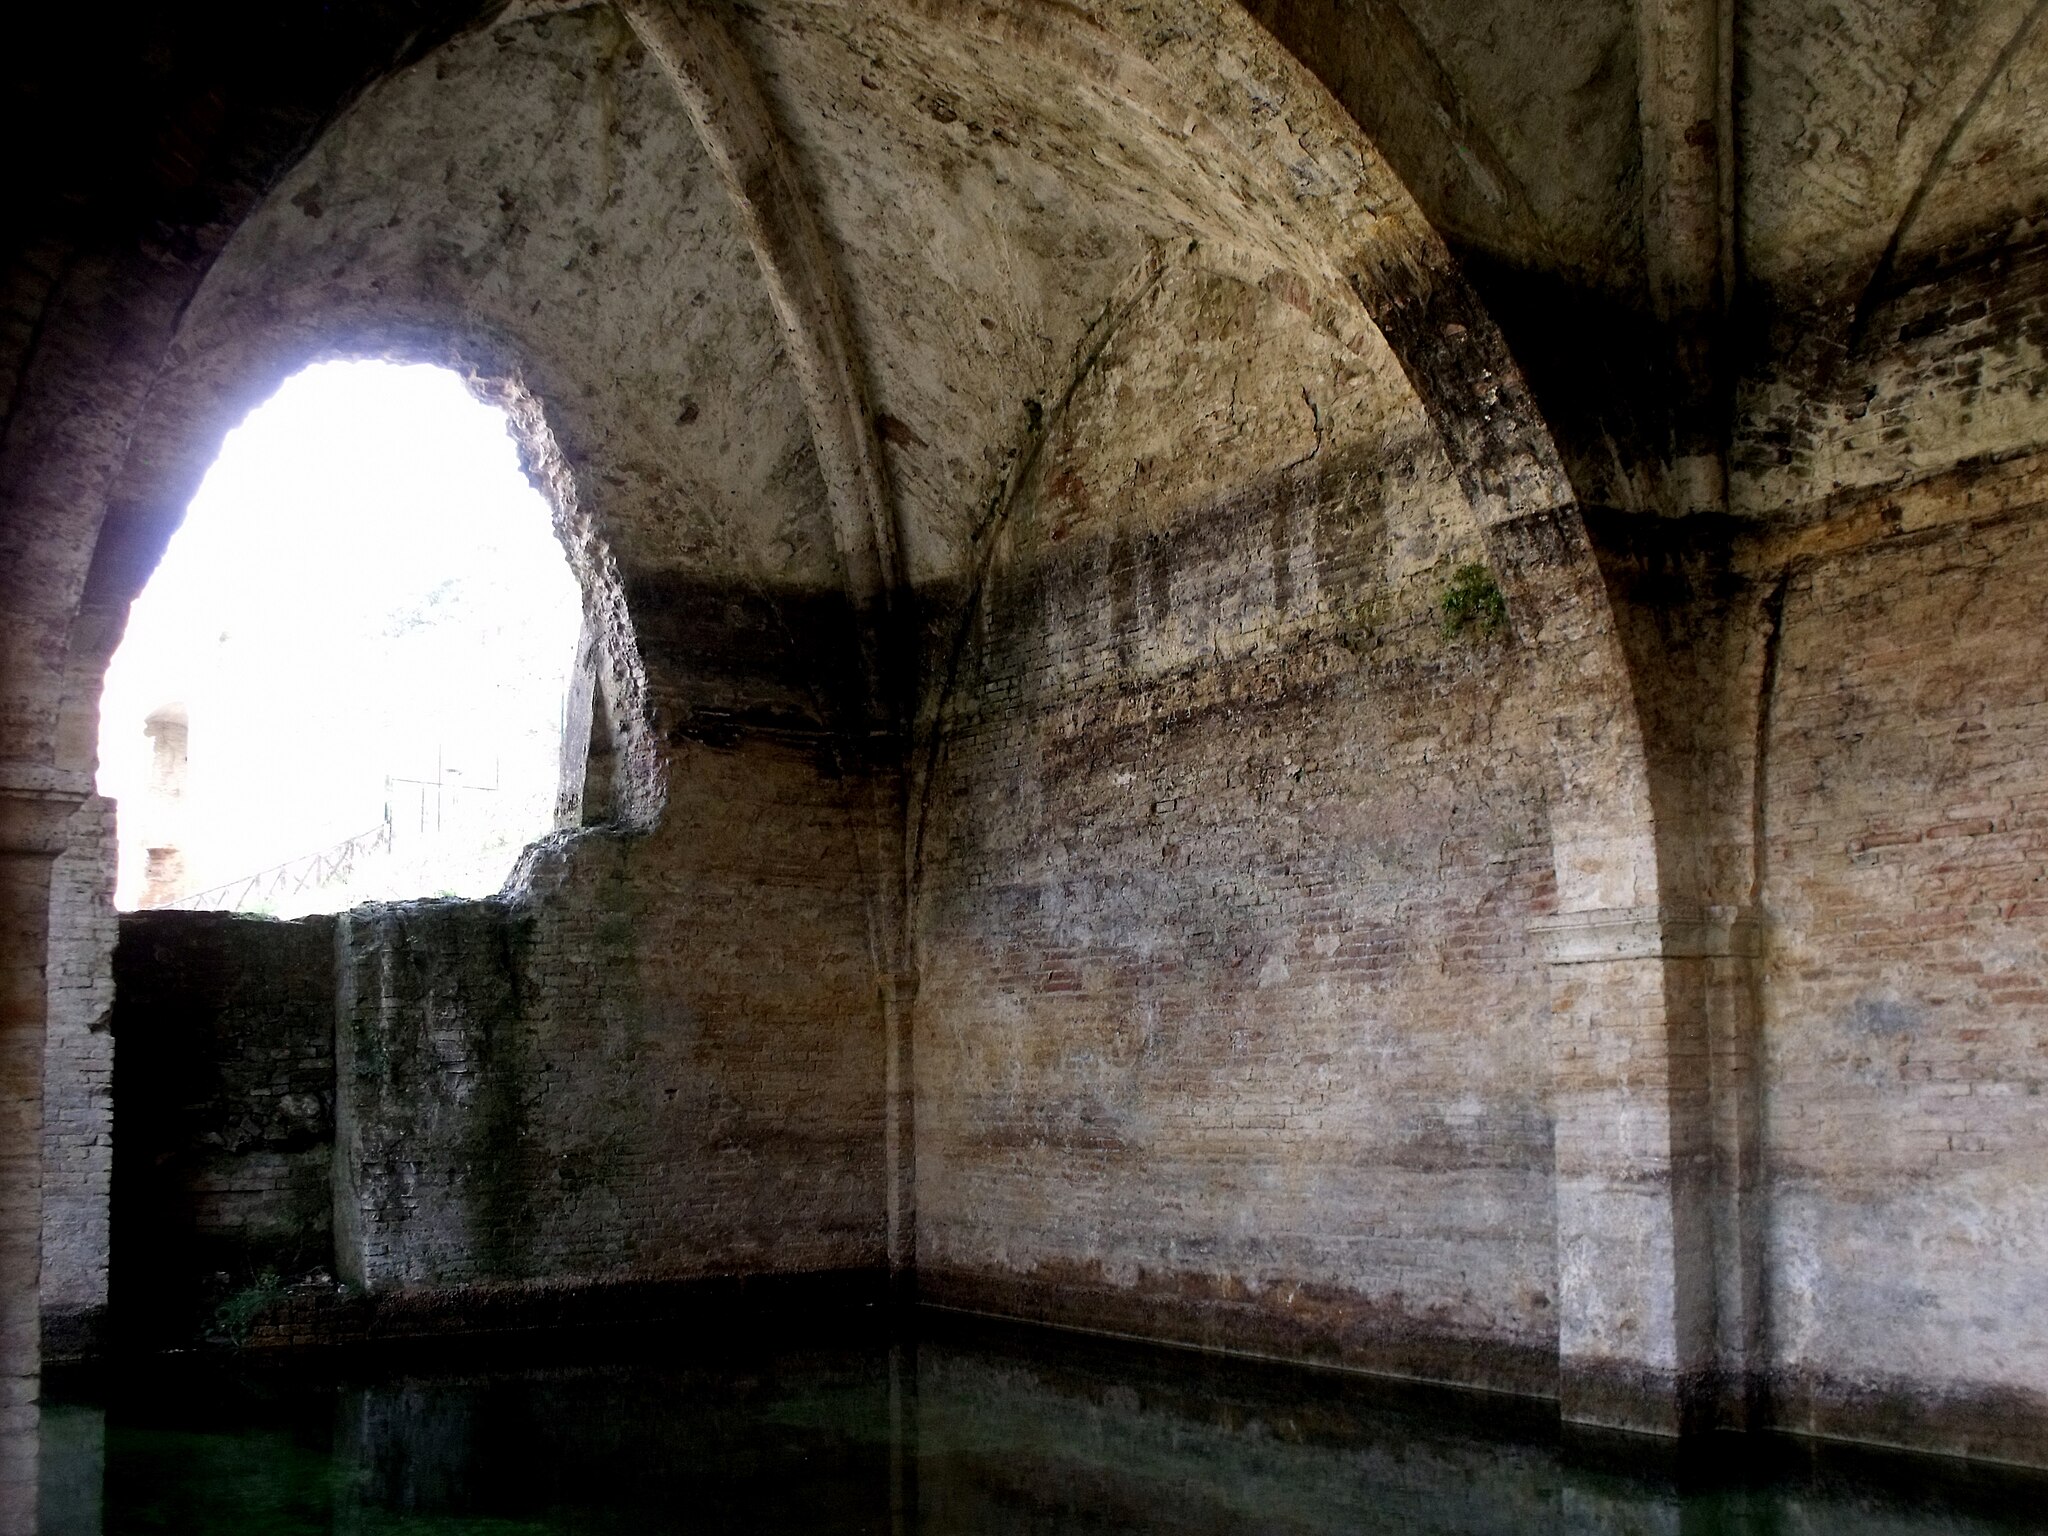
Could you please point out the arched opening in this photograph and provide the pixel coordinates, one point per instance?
(368, 626)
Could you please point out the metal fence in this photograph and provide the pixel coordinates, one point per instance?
(308, 872)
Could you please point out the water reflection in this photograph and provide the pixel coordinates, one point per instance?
(74, 1455)
(969, 1432)
(19, 1444)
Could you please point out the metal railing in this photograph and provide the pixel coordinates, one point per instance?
(308, 872)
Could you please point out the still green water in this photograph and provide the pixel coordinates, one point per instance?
(972, 1431)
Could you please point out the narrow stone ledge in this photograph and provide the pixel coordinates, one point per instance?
(36, 804)
(1316, 1328)
(1636, 1399)
(1996, 1424)
(1644, 933)
(331, 1319)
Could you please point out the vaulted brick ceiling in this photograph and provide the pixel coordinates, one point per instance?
(988, 207)
(1858, 123)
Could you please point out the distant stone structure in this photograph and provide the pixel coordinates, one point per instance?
(163, 811)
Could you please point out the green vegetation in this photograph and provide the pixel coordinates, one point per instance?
(236, 1316)
(1473, 602)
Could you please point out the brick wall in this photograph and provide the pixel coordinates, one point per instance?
(665, 1061)
(1946, 369)
(662, 1060)
(1905, 859)
(224, 1082)
(1229, 1028)
(78, 1069)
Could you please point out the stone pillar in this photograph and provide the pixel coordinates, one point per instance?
(35, 810)
(1639, 1036)
(899, 1130)
(1685, 114)
(78, 1091)
(163, 818)
(1731, 949)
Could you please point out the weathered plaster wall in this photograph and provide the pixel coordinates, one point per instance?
(224, 1083)
(1905, 881)
(78, 1087)
(1229, 1027)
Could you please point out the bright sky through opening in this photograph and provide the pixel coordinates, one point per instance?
(366, 611)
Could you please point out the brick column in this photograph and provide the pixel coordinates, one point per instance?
(1633, 1016)
(899, 1131)
(78, 1100)
(35, 808)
